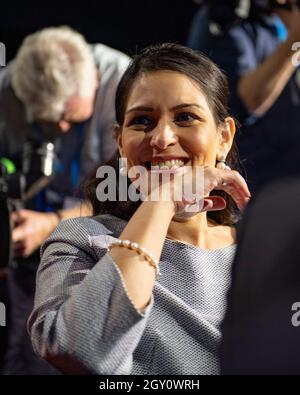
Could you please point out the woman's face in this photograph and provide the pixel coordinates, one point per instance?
(168, 123)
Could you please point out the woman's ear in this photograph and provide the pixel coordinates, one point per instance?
(227, 131)
(118, 137)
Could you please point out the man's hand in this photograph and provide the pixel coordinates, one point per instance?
(31, 229)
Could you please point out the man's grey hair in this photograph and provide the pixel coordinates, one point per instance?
(51, 66)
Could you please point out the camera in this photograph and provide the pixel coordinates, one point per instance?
(17, 188)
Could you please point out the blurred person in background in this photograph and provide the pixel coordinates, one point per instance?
(59, 89)
(260, 331)
(259, 56)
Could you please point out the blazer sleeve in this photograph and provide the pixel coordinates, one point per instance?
(83, 321)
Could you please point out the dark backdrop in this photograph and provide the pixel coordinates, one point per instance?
(128, 25)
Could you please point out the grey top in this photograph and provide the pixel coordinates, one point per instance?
(84, 322)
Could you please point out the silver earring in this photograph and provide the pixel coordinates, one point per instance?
(222, 163)
(123, 166)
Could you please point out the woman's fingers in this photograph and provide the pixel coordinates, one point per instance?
(216, 203)
(231, 182)
(192, 188)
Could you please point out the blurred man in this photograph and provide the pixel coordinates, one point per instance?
(259, 57)
(61, 90)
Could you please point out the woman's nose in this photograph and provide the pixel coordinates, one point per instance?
(162, 137)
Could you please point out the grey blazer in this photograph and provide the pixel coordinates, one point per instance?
(84, 322)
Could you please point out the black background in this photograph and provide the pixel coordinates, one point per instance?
(126, 25)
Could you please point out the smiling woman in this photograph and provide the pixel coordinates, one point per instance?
(158, 74)
(99, 307)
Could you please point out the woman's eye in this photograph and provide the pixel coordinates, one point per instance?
(140, 121)
(186, 117)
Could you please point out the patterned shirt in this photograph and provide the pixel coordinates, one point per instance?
(83, 320)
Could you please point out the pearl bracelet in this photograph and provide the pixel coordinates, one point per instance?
(141, 251)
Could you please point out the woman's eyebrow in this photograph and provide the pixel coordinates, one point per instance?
(178, 107)
(140, 108)
(183, 105)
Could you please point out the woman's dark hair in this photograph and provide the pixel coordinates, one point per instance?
(213, 84)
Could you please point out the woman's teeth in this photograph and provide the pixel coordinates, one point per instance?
(168, 164)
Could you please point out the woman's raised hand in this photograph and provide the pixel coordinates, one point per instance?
(190, 187)
(192, 195)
